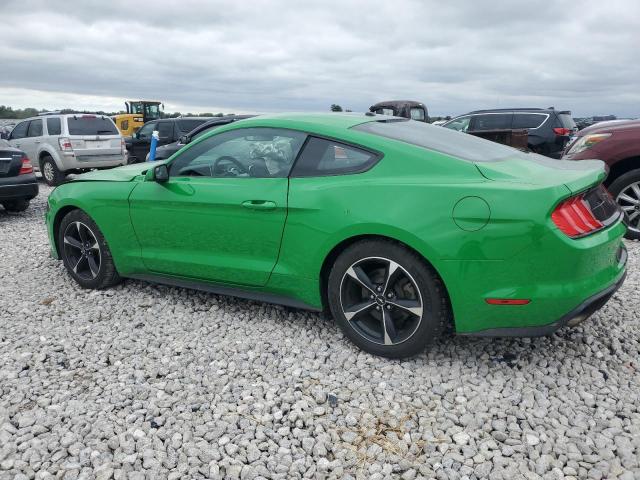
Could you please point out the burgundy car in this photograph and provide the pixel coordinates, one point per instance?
(618, 144)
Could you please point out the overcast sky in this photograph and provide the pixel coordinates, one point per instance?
(277, 55)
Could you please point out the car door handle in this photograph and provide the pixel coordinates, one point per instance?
(36, 141)
(259, 204)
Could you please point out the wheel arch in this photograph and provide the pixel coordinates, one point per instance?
(333, 254)
(621, 167)
(45, 152)
(57, 220)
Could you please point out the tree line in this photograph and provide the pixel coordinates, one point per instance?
(20, 113)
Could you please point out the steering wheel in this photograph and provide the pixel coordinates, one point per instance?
(241, 167)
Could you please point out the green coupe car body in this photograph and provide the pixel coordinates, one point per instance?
(480, 214)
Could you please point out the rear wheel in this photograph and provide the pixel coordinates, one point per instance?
(85, 252)
(386, 299)
(626, 191)
(19, 205)
(50, 172)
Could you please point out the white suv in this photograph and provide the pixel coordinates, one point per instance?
(58, 144)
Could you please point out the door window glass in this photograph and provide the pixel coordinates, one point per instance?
(417, 114)
(35, 128)
(322, 157)
(493, 121)
(20, 131)
(53, 126)
(528, 120)
(146, 130)
(247, 152)
(459, 124)
(165, 130)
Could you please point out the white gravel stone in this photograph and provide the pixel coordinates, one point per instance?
(147, 381)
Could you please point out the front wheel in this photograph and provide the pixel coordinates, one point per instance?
(626, 191)
(85, 252)
(386, 299)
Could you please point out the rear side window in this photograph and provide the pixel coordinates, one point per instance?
(528, 120)
(165, 129)
(20, 131)
(417, 114)
(566, 120)
(385, 111)
(91, 125)
(492, 121)
(443, 140)
(35, 128)
(322, 157)
(185, 126)
(53, 126)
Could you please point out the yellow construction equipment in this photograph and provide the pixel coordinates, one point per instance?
(138, 113)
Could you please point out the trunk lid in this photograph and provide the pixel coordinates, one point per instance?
(535, 169)
(10, 162)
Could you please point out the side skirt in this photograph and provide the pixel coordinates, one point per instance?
(225, 290)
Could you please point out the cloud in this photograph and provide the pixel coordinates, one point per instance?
(285, 55)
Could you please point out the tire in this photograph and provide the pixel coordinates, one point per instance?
(414, 301)
(95, 269)
(19, 205)
(626, 191)
(50, 172)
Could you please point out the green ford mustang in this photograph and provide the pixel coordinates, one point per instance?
(400, 229)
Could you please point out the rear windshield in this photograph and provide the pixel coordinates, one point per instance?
(91, 125)
(185, 126)
(439, 139)
(566, 120)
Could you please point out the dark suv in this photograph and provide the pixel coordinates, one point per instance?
(169, 130)
(549, 129)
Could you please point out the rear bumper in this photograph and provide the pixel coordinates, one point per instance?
(93, 161)
(572, 318)
(23, 186)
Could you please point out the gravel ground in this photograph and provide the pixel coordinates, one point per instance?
(147, 381)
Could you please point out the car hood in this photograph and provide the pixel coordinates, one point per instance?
(126, 173)
(543, 171)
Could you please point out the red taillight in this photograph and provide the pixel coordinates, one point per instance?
(562, 131)
(507, 301)
(65, 144)
(574, 218)
(26, 166)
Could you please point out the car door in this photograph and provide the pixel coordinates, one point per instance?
(220, 216)
(165, 131)
(18, 136)
(31, 143)
(141, 141)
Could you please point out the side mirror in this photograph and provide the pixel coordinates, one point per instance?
(184, 139)
(161, 173)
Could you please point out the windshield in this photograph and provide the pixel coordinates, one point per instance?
(151, 112)
(443, 140)
(91, 125)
